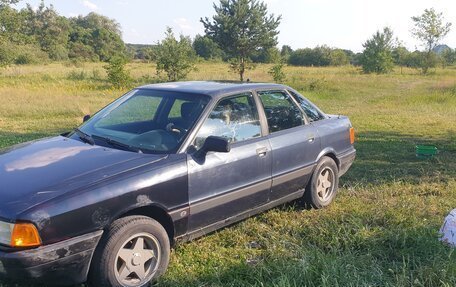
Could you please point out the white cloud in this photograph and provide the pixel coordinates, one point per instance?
(183, 24)
(90, 5)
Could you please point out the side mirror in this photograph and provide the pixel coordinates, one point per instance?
(85, 118)
(213, 143)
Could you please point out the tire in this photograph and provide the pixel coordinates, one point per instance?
(115, 265)
(323, 185)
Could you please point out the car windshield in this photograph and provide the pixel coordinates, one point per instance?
(144, 120)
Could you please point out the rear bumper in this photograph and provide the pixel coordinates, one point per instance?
(63, 263)
(346, 160)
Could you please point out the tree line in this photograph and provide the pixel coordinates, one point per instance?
(36, 35)
(241, 33)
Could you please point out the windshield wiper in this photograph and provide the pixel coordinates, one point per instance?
(118, 144)
(84, 137)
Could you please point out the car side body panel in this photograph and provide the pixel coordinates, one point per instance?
(335, 140)
(224, 184)
(294, 154)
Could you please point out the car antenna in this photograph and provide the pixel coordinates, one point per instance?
(248, 80)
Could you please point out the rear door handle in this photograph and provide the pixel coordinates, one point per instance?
(311, 140)
(261, 152)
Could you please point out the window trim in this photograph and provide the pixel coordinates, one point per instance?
(296, 104)
(322, 114)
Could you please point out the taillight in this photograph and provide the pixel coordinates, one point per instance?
(352, 135)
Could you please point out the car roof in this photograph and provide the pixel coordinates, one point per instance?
(212, 88)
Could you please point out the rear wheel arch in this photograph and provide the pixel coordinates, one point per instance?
(334, 158)
(331, 154)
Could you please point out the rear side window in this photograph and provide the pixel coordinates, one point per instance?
(311, 112)
(234, 118)
(281, 111)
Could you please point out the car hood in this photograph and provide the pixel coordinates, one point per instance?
(38, 171)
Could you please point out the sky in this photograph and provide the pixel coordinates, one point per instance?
(305, 23)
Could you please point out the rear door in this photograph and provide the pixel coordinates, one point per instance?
(294, 142)
(226, 184)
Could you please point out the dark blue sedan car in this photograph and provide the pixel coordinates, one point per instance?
(164, 163)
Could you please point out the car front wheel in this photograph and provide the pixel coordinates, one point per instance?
(323, 185)
(134, 251)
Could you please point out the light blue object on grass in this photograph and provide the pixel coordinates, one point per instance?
(448, 230)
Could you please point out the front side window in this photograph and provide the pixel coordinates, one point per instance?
(234, 118)
(281, 112)
(312, 113)
(147, 120)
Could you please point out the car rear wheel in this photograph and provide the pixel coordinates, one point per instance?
(134, 251)
(323, 185)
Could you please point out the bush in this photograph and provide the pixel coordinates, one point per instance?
(277, 73)
(117, 75)
(30, 54)
(7, 53)
(21, 54)
(339, 58)
(319, 56)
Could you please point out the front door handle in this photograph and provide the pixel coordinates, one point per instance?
(261, 152)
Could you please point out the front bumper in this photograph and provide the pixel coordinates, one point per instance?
(63, 263)
(345, 161)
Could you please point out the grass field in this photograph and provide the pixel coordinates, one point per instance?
(382, 230)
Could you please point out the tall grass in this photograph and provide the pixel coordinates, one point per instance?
(382, 230)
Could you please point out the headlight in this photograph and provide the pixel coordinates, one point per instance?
(6, 229)
(19, 235)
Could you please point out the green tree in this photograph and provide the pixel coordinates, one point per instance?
(8, 2)
(241, 28)
(117, 75)
(277, 72)
(448, 57)
(206, 48)
(430, 28)
(49, 29)
(400, 55)
(301, 57)
(285, 52)
(319, 56)
(270, 55)
(377, 55)
(414, 59)
(338, 58)
(175, 58)
(16, 45)
(101, 34)
(12, 26)
(7, 53)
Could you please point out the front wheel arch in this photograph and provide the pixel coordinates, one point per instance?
(154, 212)
(104, 262)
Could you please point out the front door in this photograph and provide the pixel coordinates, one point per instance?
(226, 184)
